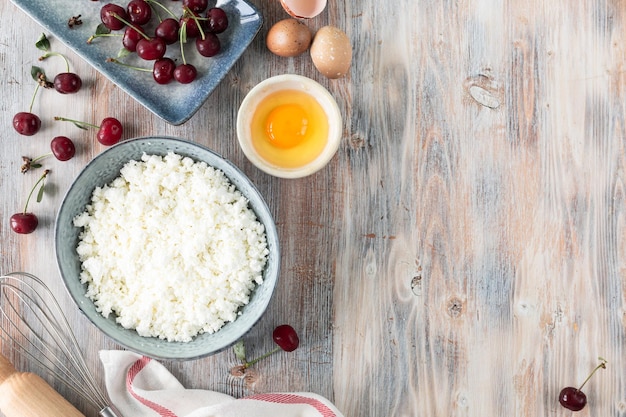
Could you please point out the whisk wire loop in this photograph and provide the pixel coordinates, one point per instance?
(34, 324)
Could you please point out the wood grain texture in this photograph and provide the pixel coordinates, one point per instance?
(462, 255)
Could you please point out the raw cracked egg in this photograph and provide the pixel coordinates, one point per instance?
(304, 9)
(289, 126)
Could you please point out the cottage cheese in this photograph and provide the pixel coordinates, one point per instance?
(171, 248)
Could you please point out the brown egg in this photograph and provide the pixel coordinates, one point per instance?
(288, 37)
(304, 9)
(331, 52)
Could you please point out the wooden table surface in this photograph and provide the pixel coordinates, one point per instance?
(464, 253)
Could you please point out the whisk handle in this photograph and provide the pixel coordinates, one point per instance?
(24, 394)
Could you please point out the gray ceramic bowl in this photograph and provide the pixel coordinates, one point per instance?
(102, 170)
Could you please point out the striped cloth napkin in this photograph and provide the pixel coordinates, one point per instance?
(142, 387)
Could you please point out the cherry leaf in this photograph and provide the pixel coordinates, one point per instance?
(43, 43)
(35, 72)
(240, 350)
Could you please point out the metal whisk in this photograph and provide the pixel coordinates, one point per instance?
(32, 323)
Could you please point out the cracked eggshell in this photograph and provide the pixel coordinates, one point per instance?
(303, 9)
(331, 52)
(288, 37)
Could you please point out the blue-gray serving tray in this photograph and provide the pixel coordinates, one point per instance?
(174, 102)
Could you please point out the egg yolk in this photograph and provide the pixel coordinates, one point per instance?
(289, 128)
(287, 125)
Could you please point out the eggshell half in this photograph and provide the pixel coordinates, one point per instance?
(304, 9)
(331, 52)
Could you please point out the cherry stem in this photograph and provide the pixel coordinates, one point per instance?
(182, 33)
(152, 2)
(116, 61)
(99, 35)
(49, 54)
(32, 100)
(601, 365)
(40, 180)
(39, 158)
(252, 362)
(136, 28)
(77, 122)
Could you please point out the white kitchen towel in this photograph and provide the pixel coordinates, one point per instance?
(142, 387)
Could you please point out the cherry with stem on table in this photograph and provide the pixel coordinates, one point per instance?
(573, 398)
(109, 132)
(284, 336)
(26, 222)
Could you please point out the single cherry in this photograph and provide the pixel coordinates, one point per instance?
(109, 132)
(131, 38)
(25, 222)
(217, 20)
(167, 30)
(286, 337)
(163, 70)
(139, 12)
(191, 25)
(185, 73)
(62, 149)
(573, 398)
(26, 123)
(151, 49)
(209, 45)
(197, 6)
(110, 15)
(67, 83)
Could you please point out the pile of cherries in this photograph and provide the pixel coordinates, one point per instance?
(62, 148)
(149, 40)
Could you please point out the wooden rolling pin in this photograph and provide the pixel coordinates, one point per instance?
(24, 394)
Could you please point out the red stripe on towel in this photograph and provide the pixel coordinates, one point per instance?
(130, 377)
(294, 399)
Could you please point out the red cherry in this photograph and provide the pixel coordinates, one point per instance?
(572, 398)
(131, 38)
(151, 49)
(196, 5)
(163, 70)
(217, 20)
(26, 123)
(24, 223)
(209, 46)
(110, 131)
(185, 73)
(67, 83)
(192, 30)
(139, 12)
(108, 14)
(286, 337)
(62, 148)
(168, 30)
